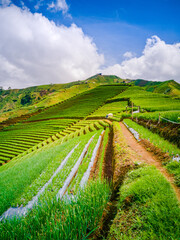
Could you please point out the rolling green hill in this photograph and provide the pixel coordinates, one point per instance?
(70, 173)
(170, 87)
(18, 102)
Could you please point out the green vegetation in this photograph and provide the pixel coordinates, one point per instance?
(26, 170)
(150, 101)
(75, 184)
(45, 95)
(81, 105)
(122, 162)
(148, 208)
(169, 115)
(101, 160)
(23, 136)
(12, 102)
(154, 138)
(115, 108)
(174, 168)
(164, 145)
(30, 172)
(64, 220)
(27, 99)
(168, 87)
(29, 136)
(46, 153)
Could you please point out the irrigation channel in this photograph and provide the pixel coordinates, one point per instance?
(22, 211)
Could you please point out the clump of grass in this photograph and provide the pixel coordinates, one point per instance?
(174, 168)
(148, 207)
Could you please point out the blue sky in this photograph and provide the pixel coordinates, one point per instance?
(118, 26)
(76, 39)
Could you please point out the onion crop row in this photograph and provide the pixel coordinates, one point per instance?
(27, 144)
(75, 184)
(23, 172)
(62, 220)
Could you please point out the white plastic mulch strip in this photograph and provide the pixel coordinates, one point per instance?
(176, 158)
(136, 111)
(136, 134)
(20, 211)
(73, 171)
(169, 120)
(87, 173)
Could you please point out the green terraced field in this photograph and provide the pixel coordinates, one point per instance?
(150, 101)
(17, 139)
(115, 108)
(170, 115)
(46, 158)
(23, 136)
(81, 105)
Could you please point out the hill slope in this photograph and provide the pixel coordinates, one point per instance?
(17, 102)
(170, 87)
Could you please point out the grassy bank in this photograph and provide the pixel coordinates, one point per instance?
(147, 208)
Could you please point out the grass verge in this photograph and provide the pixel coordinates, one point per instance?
(147, 207)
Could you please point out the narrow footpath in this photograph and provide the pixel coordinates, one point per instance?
(139, 153)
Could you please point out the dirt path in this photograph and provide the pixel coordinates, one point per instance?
(139, 153)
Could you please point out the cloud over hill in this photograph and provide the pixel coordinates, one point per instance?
(159, 61)
(34, 50)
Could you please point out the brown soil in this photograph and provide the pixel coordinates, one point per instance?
(140, 154)
(108, 164)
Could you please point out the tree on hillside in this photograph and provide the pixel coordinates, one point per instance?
(27, 99)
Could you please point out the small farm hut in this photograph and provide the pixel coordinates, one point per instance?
(109, 115)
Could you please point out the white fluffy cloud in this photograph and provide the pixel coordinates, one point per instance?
(159, 61)
(59, 5)
(128, 55)
(35, 51)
